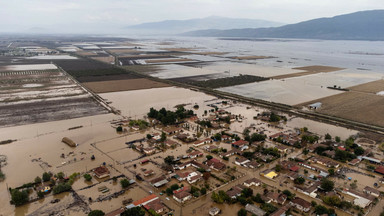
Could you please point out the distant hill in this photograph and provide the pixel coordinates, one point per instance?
(213, 22)
(364, 25)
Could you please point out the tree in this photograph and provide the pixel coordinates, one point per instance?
(247, 192)
(337, 139)
(328, 136)
(124, 183)
(274, 118)
(242, 212)
(96, 213)
(163, 137)
(149, 136)
(332, 200)
(299, 180)
(359, 151)
(87, 177)
(19, 197)
(62, 187)
(209, 157)
(320, 210)
(353, 185)
(327, 184)
(169, 160)
(37, 180)
(46, 177)
(289, 194)
(278, 168)
(331, 171)
(135, 211)
(203, 191)
(258, 198)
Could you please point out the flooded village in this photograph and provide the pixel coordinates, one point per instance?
(164, 127)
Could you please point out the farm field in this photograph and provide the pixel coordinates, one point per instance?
(123, 85)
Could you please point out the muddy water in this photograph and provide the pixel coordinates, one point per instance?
(137, 103)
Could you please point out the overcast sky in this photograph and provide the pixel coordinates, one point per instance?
(88, 15)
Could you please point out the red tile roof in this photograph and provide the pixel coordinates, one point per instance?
(145, 199)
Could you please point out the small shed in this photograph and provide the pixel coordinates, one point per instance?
(69, 142)
(315, 106)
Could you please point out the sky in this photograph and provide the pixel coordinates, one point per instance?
(92, 16)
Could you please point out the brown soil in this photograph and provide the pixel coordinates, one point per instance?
(107, 78)
(371, 87)
(142, 68)
(109, 59)
(85, 53)
(120, 51)
(308, 71)
(251, 57)
(356, 106)
(123, 85)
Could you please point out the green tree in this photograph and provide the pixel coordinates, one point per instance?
(37, 180)
(124, 183)
(135, 211)
(247, 192)
(328, 136)
(359, 151)
(19, 197)
(299, 180)
(163, 137)
(169, 160)
(87, 177)
(337, 139)
(96, 213)
(209, 157)
(331, 171)
(289, 194)
(149, 136)
(320, 210)
(46, 177)
(242, 212)
(62, 187)
(274, 118)
(203, 191)
(278, 168)
(327, 184)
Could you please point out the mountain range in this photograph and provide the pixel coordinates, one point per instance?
(363, 25)
(179, 26)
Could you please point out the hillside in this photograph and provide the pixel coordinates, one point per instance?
(364, 25)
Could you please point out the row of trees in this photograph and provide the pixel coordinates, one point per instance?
(167, 117)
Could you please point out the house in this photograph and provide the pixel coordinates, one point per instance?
(380, 170)
(313, 147)
(361, 199)
(280, 212)
(235, 191)
(325, 162)
(194, 177)
(155, 205)
(330, 153)
(149, 172)
(292, 175)
(240, 144)
(211, 148)
(195, 154)
(202, 142)
(145, 200)
(255, 210)
(159, 181)
(276, 197)
(282, 149)
(301, 204)
(371, 191)
(225, 137)
(169, 143)
(230, 153)
(371, 160)
(182, 196)
(181, 176)
(252, 182)
(310, 190)
(269, 174)
(149, 151)
(198, 165)
(172, 130)
(101, 172)
(354, 162)
(214, 211)
(116, 212)
(253, 164)
(241, 161)
(216, 164)
(287, 165)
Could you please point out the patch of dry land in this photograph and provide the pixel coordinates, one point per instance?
(251, 57)
(361, 104)
(210, 53)
(181, 49)
(166, 60)
(308, 70)
(123, 85)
